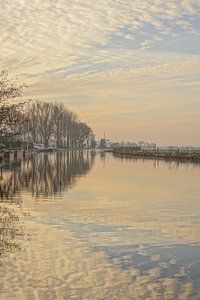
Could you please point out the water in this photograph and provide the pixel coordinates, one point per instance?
(86, 225)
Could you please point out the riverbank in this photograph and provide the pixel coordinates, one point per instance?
(15, 154)
(185, 156)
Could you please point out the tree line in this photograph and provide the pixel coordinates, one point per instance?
(38, 121)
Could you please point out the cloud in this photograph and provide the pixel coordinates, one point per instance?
(110, 52)
(40, 36)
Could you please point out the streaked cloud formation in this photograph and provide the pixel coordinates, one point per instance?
(128, 67)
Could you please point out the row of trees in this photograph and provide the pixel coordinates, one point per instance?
(48, 121)
(40, 122)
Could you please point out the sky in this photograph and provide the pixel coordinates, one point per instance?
(130, 68)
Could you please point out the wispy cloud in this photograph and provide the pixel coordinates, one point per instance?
(104, 51)
(38, 36)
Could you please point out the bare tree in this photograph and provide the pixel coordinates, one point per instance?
(55, 121)
(45, 121)
(33, 119)
(16, 121)
(60, 115)
(8, 91)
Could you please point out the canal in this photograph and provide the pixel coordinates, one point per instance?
(88, 225)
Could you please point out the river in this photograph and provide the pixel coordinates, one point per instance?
(88, 225)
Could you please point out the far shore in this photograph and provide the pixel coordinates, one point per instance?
(182, 156)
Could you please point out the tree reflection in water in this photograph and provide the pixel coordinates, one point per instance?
(43, 175)
(11, 230)
(47, 174)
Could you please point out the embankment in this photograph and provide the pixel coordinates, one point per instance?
(192, 156)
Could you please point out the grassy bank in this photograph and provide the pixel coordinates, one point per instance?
(194, 156)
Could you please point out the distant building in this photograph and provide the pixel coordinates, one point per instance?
(141, 143)
(104, 143)
(189, 149)
(123, 144)
(115, 145)
(147, 146)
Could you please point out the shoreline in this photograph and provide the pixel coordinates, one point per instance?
(180, 156)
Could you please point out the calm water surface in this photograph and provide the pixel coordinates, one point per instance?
(86, 225)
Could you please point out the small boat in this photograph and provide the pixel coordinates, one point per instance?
(42, 148)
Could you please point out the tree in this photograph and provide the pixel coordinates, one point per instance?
(60, 116)
(16, 122)
(45, 121)
(32, 112)
(55, 121)
(9, 90)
